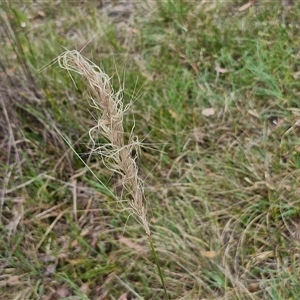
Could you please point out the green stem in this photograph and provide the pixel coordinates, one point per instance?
(158, 267)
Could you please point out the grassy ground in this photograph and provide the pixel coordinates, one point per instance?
(215, 98)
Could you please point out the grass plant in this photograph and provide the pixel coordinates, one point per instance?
(211, 89)
(117, 156)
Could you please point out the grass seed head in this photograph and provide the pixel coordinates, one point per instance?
(115, 153)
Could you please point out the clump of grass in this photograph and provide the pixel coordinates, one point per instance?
(115, 152)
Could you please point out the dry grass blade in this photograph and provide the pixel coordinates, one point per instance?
(116, 155)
